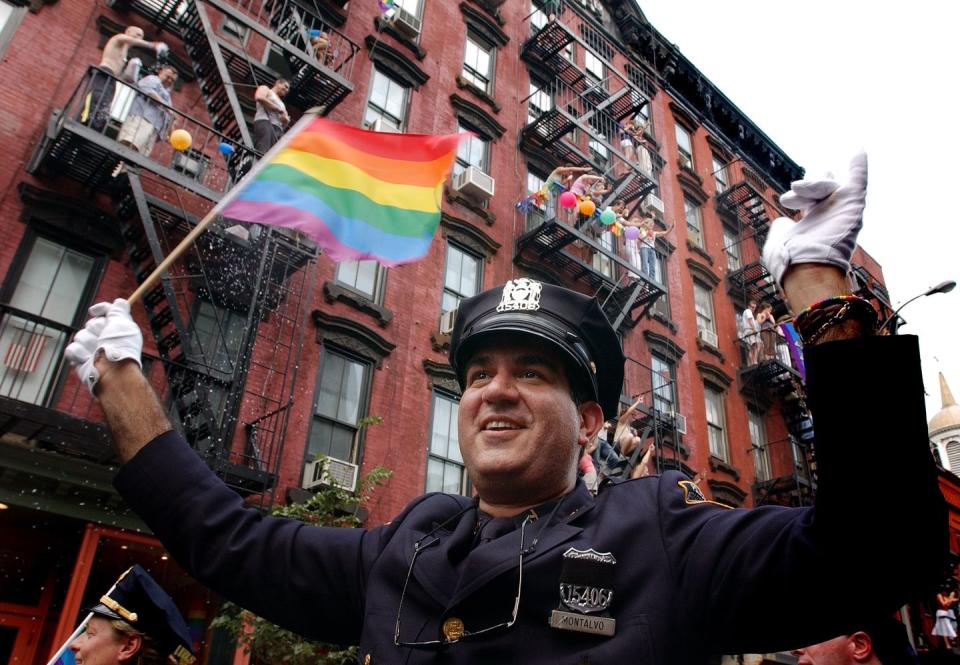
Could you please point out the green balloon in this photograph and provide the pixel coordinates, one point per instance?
(608, 216)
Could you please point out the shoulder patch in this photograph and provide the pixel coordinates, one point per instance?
(692, 494)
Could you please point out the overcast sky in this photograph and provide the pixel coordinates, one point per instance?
(822, 78)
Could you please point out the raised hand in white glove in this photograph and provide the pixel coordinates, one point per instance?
(827, 232)
(161, 48)
(110, 329)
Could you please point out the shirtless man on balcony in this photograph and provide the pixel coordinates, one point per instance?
(99, 96)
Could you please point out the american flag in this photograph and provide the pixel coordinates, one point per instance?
(23, 353)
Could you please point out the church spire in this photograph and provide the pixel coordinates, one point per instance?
(946, 397)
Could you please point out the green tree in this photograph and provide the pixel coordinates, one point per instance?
(269, 643)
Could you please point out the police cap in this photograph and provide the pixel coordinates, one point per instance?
(571, 322)
(140, 602)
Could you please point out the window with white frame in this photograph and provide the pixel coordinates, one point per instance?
(338, 407)
(716, 423)
(731, 247)
(684, 146)
(474, 150)
(535, 212)
(445, 468)
(479, 60)
(538, 18)
(703, 303)
(662, 304)
(364, 277)
(10, 18)
(49, 291)
(720, 177)
(594, 67)
(601, 261)
(758, 443)
(386, 108)
(409, 12)
(539, 101)
(663, 375)
(462, 277)
(691, 212)
(234, 29)
(218, 334)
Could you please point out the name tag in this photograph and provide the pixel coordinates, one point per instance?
(582, 623)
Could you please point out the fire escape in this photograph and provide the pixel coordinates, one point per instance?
(577, 118)
(227, 319)
(774, 376)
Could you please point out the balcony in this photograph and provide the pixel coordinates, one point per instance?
(753, 282)
(585, 261)
(634, 170)
(867, 286)
(71, 145)
(743, 202)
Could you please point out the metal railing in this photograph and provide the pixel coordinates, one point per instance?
(106, 105)
(297, 26)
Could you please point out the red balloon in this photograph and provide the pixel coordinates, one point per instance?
(568, 199)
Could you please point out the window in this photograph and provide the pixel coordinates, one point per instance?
(341, 390)
(472, 151)
(662, 304)
(538, 19)
(218, 335)
(758, 442)
(599, 152)
(10, 18)
(409, 11)
(594, 67)
(663, 373)
(684, 147)
(731, 247)
(952, 450)
(703, 303)
(235, 29)
(691, 211)
(362, 276)
(478, 63)
(539, 101)
(716, 423)
(387, 104)
(50, 291)
(602, 263)
(445, 469)
(720, 175)
(535, 213)
(462, 278)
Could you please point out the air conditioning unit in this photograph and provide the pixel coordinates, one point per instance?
(708, 337)
(406, 24)
(680, 423)
(446, 321)
(654, 201)
(330, 471)
(474, 182)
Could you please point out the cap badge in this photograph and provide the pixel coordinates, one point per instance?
(520, 294)
(586, 593)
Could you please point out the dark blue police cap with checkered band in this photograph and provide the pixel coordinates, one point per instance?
(140, 602)
(570, 322)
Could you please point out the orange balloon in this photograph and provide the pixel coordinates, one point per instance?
(180, 139)
(587, 207)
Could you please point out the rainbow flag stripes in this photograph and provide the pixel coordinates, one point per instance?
(358, 194)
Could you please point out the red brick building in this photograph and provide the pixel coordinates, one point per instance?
(267, 353)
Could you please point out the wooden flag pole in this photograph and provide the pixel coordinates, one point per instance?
(173, 256)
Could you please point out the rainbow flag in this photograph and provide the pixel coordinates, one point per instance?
(358, 194)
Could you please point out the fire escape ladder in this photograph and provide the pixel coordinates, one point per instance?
(188, 387)
(213, 75)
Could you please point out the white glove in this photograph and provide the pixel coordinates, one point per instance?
(111, 330)
(161, 49)
(827, 232)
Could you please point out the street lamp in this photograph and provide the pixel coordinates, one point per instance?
(942, 287)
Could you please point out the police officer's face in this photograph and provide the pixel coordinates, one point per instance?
(520, 431)
(838, 651)
(100, 644)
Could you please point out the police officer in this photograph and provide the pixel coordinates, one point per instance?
(880, 641)
(535, 569)
(135, 615)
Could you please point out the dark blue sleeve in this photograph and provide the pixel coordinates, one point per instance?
(775, 578)
(306, 578)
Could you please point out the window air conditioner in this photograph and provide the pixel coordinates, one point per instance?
(654, 201)
(446, 321)
(474, 182)
(708, 337)
(330, 471)
(406, 24)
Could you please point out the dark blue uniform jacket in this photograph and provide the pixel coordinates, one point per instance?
(691, 578)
